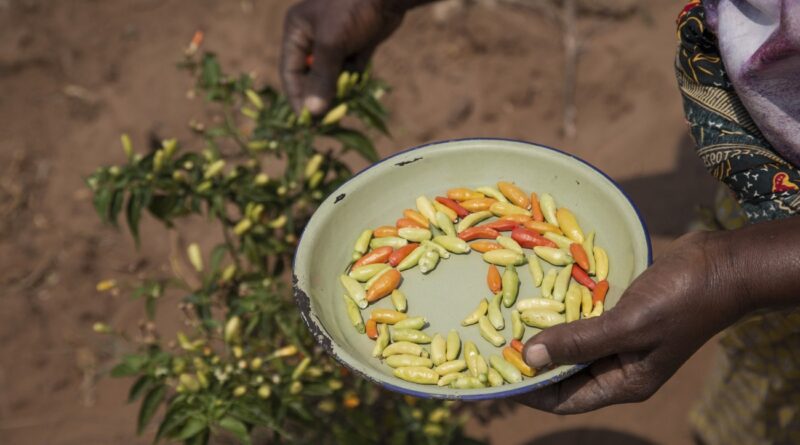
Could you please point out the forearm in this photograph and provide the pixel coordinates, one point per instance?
(759, 265)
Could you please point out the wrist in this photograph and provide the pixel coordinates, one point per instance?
(760, 264)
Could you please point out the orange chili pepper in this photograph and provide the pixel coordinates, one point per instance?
(501, 225)
(384, 285)
(408, 222)
(478, 205)
(519, 219)
(494, 280)
(478, 232)
(529, 239)
(379, 255)
(453, 205)
(582, 277)
(372, 328)
(309, 60)
(543, 227)
(536, 209)
(462, 194)
(484, 246)
(399, 254)
(600, 291)
(351, 401)
(384, 231)
(579, 254)
(515, 358)
(516, 345)
(417, 217)
(514, 194)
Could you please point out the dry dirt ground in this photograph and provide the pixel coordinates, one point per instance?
(75, 74)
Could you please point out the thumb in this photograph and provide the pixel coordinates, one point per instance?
(321, 86)
(579, 341)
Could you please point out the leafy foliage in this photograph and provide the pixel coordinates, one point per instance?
(247, 361)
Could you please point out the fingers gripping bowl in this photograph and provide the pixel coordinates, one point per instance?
(377, 197)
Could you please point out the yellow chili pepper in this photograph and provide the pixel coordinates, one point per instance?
(568, 224)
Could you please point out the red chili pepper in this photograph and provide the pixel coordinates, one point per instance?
(529, 239)
(582, 277)
(516, 345)
(372, 328)
(579, 254)
(456, 207)
(600, 291)
(478, 232)
(309, 60)
(399, 254)
(501, 225)
(379, 255)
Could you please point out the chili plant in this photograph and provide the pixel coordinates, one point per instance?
(246, 365)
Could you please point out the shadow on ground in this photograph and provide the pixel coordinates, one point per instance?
(590, 436)
(668, 201)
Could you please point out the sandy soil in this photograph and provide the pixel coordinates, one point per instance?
(74, 74)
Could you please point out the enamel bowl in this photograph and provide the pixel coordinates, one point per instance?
(378, 195)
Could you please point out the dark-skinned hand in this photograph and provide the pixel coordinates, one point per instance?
(340, 34)
(666, 314)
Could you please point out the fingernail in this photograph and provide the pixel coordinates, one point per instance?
(537, 356)
(315, 104)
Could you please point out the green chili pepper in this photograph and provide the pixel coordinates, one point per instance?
(509, 243)
(473, 317)
(411, 323)
(405, 360)
(472, 219)
(382, 342)
(562, 281)
(417, 374)
(453, 345)
(444, 223)
(510, 286)
(410, 335)
(508, 371)
(399, 300)
(494, 314)
(489, 333)
(452, 243)
(542, 318)
(517, 327)
(428, 261)
(354, 290)
(354, 314)
(438, 350)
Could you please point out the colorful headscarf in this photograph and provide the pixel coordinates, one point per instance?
(728, 141)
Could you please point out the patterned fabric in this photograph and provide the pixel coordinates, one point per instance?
(728, 141)
(753, 395)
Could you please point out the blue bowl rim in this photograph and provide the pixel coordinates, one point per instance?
(466, 396)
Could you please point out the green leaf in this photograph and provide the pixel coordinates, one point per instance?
(139, 387)
(101, 201)
(192, 428)
(211, 71)
(173, 419)
(355, 140)
(149, 406)
(236, 427)
(134, 213)
(216, 257)
(131, 365)
(162, 206)
(116, 206)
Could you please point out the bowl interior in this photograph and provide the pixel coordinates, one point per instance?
(378, 196)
